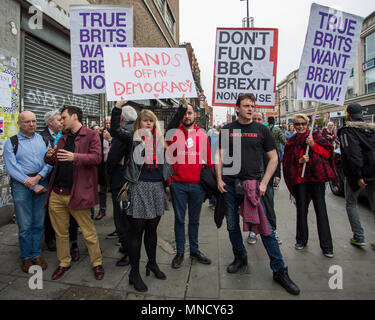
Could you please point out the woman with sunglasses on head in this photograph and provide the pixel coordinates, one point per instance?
(320, 168)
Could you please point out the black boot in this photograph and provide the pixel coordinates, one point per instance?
(136, 280)
(177, 260)
(237, 264)
(124, 261)
(155, 270)
(282, 278)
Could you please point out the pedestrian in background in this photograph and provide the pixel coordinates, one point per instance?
(52, 120)
(320, 168)
(290, 132)
(357, 144)
(329, 132)
(116, 165)
(277, 135)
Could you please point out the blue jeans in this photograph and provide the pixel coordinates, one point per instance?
(189, 195)
(30, 213)
(233, 218)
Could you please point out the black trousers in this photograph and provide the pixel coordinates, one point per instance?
(316, 192)
(121, 222)
(268, 200)
(49, 232)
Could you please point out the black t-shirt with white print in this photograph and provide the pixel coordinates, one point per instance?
(255, 139)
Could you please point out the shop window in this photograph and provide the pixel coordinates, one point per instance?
(370, 81)
(370, 47)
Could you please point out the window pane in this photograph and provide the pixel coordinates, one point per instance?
(370, 80)
(169, 20)
(370, 47)
(160, 4)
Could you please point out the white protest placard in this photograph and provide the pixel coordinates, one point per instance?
(245, 62)
(91, 29)
(147, 73)
(328, 55)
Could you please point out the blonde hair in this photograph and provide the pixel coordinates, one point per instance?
(150, 115)
(301, 116)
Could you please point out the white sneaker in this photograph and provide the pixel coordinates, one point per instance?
(252, 238)
(278, 238)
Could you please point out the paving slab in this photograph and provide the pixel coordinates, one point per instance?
(83, 274)
(203, 282)
(20, 290)
(174, 286)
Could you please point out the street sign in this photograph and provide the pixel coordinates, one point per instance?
(202, 97)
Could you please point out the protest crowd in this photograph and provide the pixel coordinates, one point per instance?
(62, 174)
(55, 188)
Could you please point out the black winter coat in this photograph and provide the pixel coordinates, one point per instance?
(357, 144)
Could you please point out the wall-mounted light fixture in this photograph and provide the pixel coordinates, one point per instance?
(13, 27)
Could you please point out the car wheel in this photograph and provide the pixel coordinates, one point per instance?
(337, 190)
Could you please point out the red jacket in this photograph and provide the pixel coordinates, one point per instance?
(87, 157)
(190, 150)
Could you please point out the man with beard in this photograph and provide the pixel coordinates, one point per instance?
(191, 150)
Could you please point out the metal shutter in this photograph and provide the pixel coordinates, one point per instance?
(47, 82)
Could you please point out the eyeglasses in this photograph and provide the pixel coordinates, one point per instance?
(297, 124)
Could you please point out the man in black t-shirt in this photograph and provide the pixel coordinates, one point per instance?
(242, 144)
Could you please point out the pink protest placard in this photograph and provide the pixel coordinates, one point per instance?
(147, 73)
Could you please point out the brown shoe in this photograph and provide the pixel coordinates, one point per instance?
(26, 264)
(39, 261)
(59, 272)
(100, 215)
(99, 272)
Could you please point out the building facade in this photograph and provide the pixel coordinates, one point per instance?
(361, 86)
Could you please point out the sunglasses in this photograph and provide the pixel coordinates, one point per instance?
(297, 124)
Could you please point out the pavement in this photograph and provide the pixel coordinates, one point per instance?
(352, 269)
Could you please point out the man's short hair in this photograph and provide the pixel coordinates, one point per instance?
(50, 115)
(73, 110)
(129, 114)
(271, 120)
(244, 96)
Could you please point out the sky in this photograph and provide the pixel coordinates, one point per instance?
(200, 18)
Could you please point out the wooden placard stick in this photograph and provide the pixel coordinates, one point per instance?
(308, 147)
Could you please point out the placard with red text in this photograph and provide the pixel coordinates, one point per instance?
(147, 73)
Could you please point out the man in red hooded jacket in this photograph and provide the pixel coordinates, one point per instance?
(190, 150)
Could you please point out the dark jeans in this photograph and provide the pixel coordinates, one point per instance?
(316, 192)
(121, 222)
(233, 218)
(191, 196)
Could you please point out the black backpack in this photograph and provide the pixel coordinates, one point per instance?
(14, 141)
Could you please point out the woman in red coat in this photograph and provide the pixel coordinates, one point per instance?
(320, 168)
